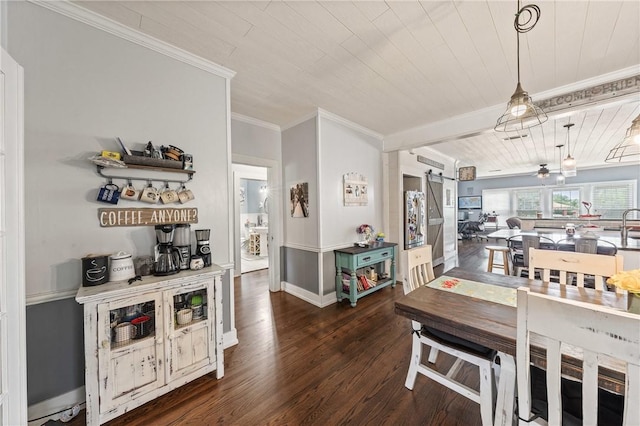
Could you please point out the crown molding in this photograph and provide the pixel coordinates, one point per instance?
(355, 126)
(299, 120)
(110, 26)
(254, 121)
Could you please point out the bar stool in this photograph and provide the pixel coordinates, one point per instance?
(505, 259)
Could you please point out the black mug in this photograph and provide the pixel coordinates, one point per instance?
(110, 193)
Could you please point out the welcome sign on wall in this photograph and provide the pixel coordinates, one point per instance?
(146, 216)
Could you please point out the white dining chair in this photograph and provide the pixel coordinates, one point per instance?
(598, 332)
(569, 264)
(420, 267)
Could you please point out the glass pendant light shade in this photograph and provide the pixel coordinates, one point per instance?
(521, 113)
(629, 149)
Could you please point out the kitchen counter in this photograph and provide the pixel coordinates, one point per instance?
(560, 222)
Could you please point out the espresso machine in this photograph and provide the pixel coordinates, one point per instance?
(167, 260)
(182, 241)
(202, 245)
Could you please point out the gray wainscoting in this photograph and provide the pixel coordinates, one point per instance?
(55, 349)
(300, 268)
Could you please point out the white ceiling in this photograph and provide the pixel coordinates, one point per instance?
(397, 65)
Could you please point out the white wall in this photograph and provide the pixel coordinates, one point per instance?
(84, 87)
(255, 138)
(299, 165)
(343, 150)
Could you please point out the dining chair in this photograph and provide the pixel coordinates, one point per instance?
(579, 264)
(420, 267)
(597, 332)
(514, 222)
(587, 245)
(519, 246)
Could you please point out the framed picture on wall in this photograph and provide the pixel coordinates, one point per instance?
(355, 190)
(300, 200)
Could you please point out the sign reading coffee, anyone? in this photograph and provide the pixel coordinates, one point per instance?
(146, 216)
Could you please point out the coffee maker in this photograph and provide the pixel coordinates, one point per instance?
(182, 241)
(167, 256)
(202, 245)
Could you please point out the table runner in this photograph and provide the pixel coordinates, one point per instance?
(492, 293)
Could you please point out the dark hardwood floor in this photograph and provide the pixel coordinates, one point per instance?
(298, 364)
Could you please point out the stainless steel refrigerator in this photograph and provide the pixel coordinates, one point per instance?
(414, 210)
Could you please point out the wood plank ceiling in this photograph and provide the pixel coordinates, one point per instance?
(396, 65)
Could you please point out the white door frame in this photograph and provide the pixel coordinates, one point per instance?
(13, 355)
(275, 215)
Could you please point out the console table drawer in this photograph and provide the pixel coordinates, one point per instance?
(365, 259)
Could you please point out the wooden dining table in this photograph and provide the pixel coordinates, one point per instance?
(493, 324)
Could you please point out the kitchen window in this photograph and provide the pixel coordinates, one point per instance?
(527, 202)
(565, 202)
(612, 199)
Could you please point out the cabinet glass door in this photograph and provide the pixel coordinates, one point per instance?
(130, 332)
(189, 332)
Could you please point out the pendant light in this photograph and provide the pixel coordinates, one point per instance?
(560, 177)
(569, 164)
(543, 172)
(629, 148)
(521, 113)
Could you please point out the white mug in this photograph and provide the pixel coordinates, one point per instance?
(185, 195)
(168, 196)
(150, 195)
(129, 192)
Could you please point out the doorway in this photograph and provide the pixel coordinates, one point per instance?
(252, 191)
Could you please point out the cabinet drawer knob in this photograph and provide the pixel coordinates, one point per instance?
(366, 259)
(386, 253)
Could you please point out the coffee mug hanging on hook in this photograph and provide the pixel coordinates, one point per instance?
(168, 195)
(129, 192)
(109, 193)
(185, 195)
(150, 194)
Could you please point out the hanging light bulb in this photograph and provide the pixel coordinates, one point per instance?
(521, 112)
(629, 148)
(569, 164)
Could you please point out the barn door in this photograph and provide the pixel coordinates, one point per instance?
(435, 218)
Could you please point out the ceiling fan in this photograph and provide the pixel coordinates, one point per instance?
(543, 172)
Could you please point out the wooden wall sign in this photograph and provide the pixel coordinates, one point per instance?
(146, 216)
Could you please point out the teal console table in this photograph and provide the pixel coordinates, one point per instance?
(354, 260)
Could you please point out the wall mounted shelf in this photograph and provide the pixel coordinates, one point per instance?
(110, 173)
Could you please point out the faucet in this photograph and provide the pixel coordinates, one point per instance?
(624, 231)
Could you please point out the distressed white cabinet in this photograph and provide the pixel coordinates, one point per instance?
(121, 375)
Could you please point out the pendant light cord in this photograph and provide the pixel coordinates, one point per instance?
(531, 15)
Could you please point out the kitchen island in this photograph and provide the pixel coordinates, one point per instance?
(630, 250)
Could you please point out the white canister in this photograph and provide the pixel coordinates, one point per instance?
(121, 267)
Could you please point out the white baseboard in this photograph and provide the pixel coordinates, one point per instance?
(301, 293)
(43, 411)
(230, 338)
